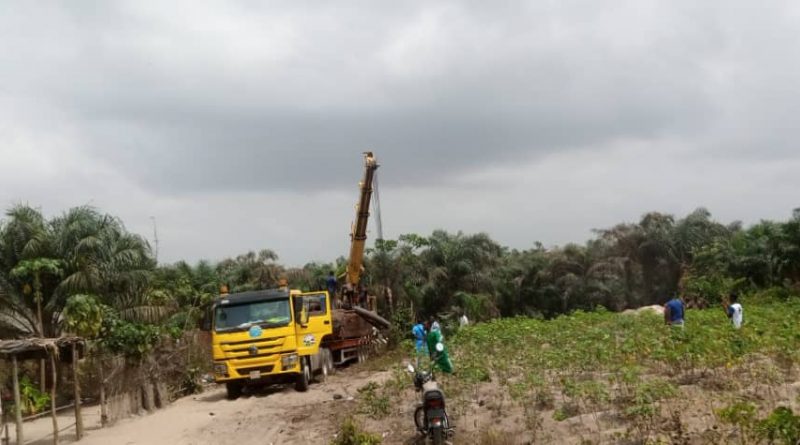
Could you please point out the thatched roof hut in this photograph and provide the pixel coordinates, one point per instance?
(41, 348)
(65, 349)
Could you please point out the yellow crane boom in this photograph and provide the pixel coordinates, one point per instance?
(358, 231)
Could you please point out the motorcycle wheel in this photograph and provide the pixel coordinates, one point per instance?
(419, 418)
(437, 434)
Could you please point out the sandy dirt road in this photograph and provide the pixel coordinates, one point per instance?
(275, 415)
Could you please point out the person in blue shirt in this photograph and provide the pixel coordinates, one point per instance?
(420, 335)
(331, 284)
(674, 312)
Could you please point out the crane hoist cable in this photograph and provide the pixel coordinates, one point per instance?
(376, 207)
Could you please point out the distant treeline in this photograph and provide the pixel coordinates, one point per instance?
(84, 271)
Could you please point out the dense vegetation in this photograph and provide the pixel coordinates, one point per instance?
(629, 265)
(85, 264)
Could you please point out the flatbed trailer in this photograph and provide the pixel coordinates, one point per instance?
(355, 335)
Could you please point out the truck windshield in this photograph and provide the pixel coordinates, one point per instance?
(271, 313)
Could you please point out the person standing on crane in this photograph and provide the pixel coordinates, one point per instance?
(331, 284)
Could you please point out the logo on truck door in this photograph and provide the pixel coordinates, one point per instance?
(309, 340)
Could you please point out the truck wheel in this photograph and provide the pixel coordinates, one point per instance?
(323, 367)
(327, 365)
(329, 360)
(234, 390)
(301, 384)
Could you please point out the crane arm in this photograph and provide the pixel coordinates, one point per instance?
(358, 233)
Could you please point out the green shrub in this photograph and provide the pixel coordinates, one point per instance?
(374, 402)
(781, 426)
(351, 433)
(32, 400)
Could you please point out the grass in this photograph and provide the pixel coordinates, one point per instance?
(351, 432)
(627, 363)
(623, 372)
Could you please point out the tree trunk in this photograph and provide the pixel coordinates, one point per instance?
(103, 407)
(77, 392)
(42, 375)
(37, 294)
(17, 401)
(53, 397)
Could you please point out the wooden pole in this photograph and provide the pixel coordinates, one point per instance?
(3, 426)
(17, 401)
(53, 397)
(77, 391)
(103, 409)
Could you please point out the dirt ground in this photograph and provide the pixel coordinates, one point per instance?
(274, 415)
(280, 415)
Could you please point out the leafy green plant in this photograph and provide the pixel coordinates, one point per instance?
(83, 315)
(742, 415)
(352, 433)
(130, 339)
(781, 426)
(373, 401)
(32, 400)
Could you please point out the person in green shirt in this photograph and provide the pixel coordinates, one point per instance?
(442, 360)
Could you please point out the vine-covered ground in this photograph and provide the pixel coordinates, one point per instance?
(604, 377)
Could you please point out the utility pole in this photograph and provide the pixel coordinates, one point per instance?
(376, 207)
(155, 235)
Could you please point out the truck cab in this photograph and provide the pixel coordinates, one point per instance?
(270, 336)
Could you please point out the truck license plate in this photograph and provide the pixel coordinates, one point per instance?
(255, 375)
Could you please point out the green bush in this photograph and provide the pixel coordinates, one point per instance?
(130, 339)
(374, 402)
(351, 433)
(32, 400)
(781, 426)
(83, 315)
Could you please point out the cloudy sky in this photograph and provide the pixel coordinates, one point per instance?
(240, 125)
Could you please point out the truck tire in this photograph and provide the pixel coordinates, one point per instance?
(301, 384)
(324, 366)
(329, 357)
(327, 364)
(234, 390)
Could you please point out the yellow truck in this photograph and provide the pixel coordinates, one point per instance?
(281, 335)
(270, 336)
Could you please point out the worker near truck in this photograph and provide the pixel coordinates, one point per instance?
(441, 359)
(331, 284)
(420, 335)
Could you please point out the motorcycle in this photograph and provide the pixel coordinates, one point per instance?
(430, 415)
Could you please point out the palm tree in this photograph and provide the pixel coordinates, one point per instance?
(79, 252)
(35, 269)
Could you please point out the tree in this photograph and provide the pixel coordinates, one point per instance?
(35, 269)
(80, 252)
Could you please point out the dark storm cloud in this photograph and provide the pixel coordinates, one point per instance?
(580, 111)
(282, 97)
